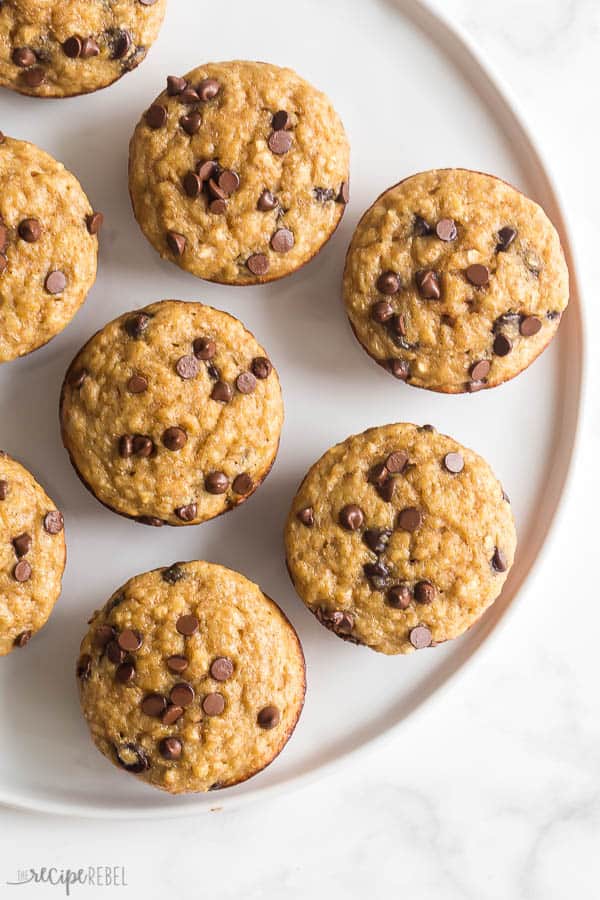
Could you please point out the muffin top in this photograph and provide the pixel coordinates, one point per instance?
(455, 281)
(179, 681)
(32, 555)
(238, 172)
(172, 414)
(48, 247)
(399, 538)
(58, 48)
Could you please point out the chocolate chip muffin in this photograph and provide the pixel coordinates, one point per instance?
(179, 681)
(48, 247)
(172, 414)
(455, 281)
(399, 538)
(58, 48)
(238, 172)
(32, 558)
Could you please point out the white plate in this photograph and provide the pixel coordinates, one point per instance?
(413, 97)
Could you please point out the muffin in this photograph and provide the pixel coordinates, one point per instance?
(238, 172)
(172, 414)
(48, 247)
(179, 683)
(399, 538)
(33, 555)
(455, 281)
(53, 48)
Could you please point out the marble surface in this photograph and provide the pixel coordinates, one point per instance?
(494, 792)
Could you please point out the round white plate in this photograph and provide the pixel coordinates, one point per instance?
(413, 97)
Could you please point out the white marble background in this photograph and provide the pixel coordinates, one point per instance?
(494, 793)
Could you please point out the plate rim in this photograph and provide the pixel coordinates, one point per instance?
(452, 39)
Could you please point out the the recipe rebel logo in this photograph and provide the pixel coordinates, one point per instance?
(67, 879)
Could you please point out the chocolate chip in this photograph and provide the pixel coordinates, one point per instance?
(446, 230)
(173, 574)
(191, 123)
(306, 516)
(156, 116)
(187, 513)
(132, 757)
(94, 222)
(176, 243)
(428, 284)
(177, 663)
(54, 522)
(175, 85)
(351, 517)
(171, 714)
(174, 438)
(136, 325)
(258, 264)
(126, 446)
(187, 625)
(23, 57)
(72, 47)
(204, 348)
(22, 571)
(267, 201)
(34, 77)
(399, 368)
(281, 121)
(137, 384)
(216, 482)
(477, 274)
(420, 637)
(182, 694)
(30, 230)
(242, 484)
(480, 369)
(189, 96)
(378, 474)
(337, 620)
(192, 184)
(207, 168)
(388, 283)
(218, 207)
(279, 142)
(208, 89)
(396, 461)
(142, 445)
(530, 326)
(229, 181)
(323, 195)
(377, 539)
(499, 561)
(89, 48)
(245, 383)
(261, 367)
(502, 345)
(344, 193)
(154, 705)
(103, 634)
(382, 311)
(55, 282)
(282, 241)
(421, 227)
(506, 236)
(377, 573)
(84, 666)
(3, 489)
(222, 392)
(152, 521)
(454, 462)
(129, 640)
(215, 190)
(221, 668)
(213, 704)
(424, 592)
(121, 45)
(398, 328)
(399, 596)
(268, 717)
(125, 673)
(474, 386)
(170, 748)
(386, 490)
(187, 367)
(22, 544)
(409, 519)
(114, 653)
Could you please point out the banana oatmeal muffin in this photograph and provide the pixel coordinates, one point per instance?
(191, 678)
(399, 538)
(32, 558)
(59, 48)
(172, 414)
(455, 281)
(238, 172)
(48, 247)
